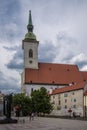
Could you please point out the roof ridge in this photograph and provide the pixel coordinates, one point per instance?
(57, 63)
(69, 88)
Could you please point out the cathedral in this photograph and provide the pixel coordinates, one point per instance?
(56, 78)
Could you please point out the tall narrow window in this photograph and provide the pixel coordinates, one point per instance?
(59, 102)
(65, 100)
(30, 53)
(65, 106)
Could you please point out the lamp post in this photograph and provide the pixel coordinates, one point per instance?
(7, 103)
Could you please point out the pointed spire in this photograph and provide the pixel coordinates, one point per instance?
(30, 18)
(30, 26)
(30, 35)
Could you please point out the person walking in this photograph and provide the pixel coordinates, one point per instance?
(32, 115)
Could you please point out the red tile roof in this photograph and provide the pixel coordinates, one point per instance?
(69, 88)
(49, 73)
(84, 75)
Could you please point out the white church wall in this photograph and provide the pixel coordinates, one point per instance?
(29, 87)
(22, 82)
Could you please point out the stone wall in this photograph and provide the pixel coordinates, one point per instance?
(65, 101)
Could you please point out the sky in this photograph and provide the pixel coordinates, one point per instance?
(60, 27)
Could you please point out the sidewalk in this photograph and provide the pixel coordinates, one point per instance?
(40, 123)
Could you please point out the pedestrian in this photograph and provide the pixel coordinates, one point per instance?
(32, 115)
(74, 114)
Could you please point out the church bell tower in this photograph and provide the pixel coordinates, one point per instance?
(30, 46)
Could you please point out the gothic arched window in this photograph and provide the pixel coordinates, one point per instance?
(30, 53)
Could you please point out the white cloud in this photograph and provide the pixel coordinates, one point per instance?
(79, 58)
(59, 25)
(84, 68)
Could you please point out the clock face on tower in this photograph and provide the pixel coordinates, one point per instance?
(30, 61)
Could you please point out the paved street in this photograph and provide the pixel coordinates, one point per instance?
(40, 123)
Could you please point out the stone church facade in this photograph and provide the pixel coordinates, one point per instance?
(59, 79)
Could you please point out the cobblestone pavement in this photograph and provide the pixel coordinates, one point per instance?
(40, 123)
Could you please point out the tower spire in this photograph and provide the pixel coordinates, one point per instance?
(30, 35)
(30, 25)
(30, 18)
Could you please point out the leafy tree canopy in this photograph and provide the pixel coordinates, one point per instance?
(23, 102)
(41, 101)
(38, 102)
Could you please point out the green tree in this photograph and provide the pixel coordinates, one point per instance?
(23, 102)
(41, 101)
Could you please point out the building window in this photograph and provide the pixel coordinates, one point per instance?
(65, 106)
(30, 53)
(59, 102)
(53, 96)
(58, 107)
(65, 95)
(30, 61)
(74, 100)
(65, 100)
(73, 93)
(74, 106)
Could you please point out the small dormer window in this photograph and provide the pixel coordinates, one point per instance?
(30, 53)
